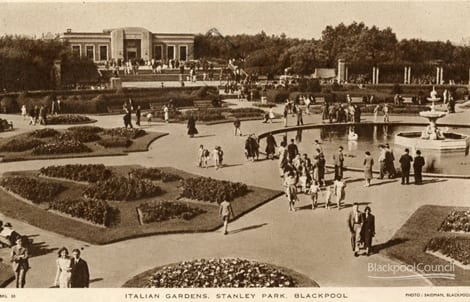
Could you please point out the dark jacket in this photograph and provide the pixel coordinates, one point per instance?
(405, 162)
(80, 275)
(418, 163)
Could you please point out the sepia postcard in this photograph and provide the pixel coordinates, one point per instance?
(235, 151)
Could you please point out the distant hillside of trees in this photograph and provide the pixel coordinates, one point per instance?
(27, 64)
(356, 43)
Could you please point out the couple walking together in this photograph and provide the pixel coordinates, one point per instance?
(71, 272)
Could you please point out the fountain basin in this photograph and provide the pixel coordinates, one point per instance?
(452, 142)
(432, 114)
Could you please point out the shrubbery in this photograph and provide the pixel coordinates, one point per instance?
(81, 136)
(457, 248)
(20, 145)
(131, 133)
(61, 147)
(212, 190)
(277, 95)
(88, 173)
(32, 189)
(122, 188)
(456, 221)
(96, 211)
(166, 210)
(154, 174)
(88, 129)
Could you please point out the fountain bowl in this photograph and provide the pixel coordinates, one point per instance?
(452, 142)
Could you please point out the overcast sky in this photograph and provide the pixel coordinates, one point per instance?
(424, 20)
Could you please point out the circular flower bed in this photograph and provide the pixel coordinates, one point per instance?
(220, 273)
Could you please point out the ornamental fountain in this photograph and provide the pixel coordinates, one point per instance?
(433, 137)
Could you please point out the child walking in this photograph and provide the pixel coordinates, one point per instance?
(226, 212)
(314, 190)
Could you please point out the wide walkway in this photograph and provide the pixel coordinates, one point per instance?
(315, 243)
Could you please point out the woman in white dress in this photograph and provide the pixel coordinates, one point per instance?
(62, 277)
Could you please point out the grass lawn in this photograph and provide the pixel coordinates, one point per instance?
(6, 274)
(139, 144)
(140, 280)
(409, 242)
(128, 226)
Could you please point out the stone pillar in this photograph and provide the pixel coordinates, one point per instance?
(442, 75)
(439, 75)
(146, 45)
(57, 73)
(341, 71)
(373, 75)
(405, 75)
(346, 76)
(117, 44)
(409, 74)
(377, 76)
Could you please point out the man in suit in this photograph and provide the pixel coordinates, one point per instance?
(355, 220)
(368, 229)
(338, 159)
(418, 164)
(19, 258)
(292, 150)
(405, 162)
(80, 275)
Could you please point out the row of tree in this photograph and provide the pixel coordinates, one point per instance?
(356, 43)
(28, 64)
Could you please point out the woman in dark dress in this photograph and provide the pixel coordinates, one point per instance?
(192, 126)
(270, 146)
(368, 229)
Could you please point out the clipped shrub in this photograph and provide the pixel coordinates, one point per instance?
(131, 133)
(89, 173)
(45, 132)
(20, 145)
(67, 119)
(88, 129)
(154, 174)
(153, 211)
(122, 188)
(115, 142)
(212, 190)
(96, 211)
(61, 147)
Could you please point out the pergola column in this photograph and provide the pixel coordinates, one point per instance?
(341, 77)
(375, 75)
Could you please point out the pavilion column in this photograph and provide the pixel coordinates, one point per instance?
(409, 74)
(346, 76)
(438, 76)
(377, 77)
(373, 75)
(341, 71)
(442, 75)
(405, 75)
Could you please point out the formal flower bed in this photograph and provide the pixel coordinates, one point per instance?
(96, 211)
(457, 248)
(132, 133)
(31, 188)
(88, 129)
(81, 136)
(154, 174)
(20, 145)
(230, 273)
(66, 119)
(88, 173)
(115, 142)
(456, 221)
(247, 112)
(122, 188)
(165, 210)
(212, 190)
(43, 133)
(61, 147)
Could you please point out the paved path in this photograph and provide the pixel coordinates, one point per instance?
(315, 243)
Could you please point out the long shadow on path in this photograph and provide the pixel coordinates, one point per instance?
(251, 227)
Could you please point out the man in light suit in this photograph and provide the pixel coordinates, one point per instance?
(80, 275)
(19, 258)
(355, 220)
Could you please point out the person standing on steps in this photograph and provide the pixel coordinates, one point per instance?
(226, 213)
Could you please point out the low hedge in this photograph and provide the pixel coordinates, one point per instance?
(212, 190)
(96, 211)
(32, 189)
(84, 137)
(457, 248)
(88, 129)
(20, 145)
(88, 173)
(154, 174)
(131, 133)
(167, 210)
(61, 147)
(122, 189)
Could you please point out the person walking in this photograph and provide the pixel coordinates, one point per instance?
(290, 179)
(386, 114)
(226, 212)
(314, 191)
(19, 257)
(300, 120)
(340, 192)
(80, 274)
(338, 160)
(137, 116)
(286, 114)
(237, 125)
(418, 164)
(166, 115)
(382, 161)
(355, 221)
(270, 146)
(218, 157)
(292, 150)
(23, 112)
(64, 270)
(389, 159)
(405, 163)
(330, 190)
(271, 115)
(192, 126)
(368, 163)
(368, 230)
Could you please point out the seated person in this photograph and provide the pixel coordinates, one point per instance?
(8, 235)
